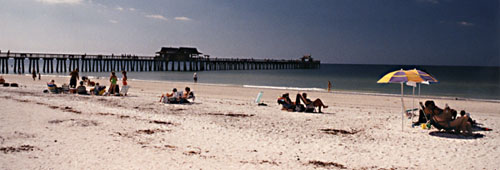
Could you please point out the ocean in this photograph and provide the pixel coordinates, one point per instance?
(454, 81)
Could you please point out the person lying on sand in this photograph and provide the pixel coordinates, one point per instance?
(310, 105)
(2, 81)
(442, 119)
(424, 118)
(472, 122)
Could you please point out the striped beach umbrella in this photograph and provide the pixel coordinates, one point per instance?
(428, 79)
(401, 77)
(423, 75)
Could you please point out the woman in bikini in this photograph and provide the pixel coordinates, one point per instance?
(310, 105)
(442, 119)
(113, 79)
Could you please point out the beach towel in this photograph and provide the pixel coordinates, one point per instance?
(259, 97)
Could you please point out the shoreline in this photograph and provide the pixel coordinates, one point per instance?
(307, 89)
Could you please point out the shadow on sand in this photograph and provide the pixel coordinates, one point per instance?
(452, 135)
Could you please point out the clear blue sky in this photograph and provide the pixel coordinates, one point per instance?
(429, 32)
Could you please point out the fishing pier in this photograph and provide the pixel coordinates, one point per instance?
(167, 59)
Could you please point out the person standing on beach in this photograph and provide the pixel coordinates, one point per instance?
(39, 76)
(113, 79)
(329, 86)
(74, 78)
(34, 74)
(125, 84)
(195, 77)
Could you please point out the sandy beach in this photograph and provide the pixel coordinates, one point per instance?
(225, 129)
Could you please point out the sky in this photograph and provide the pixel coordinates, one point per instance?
(399, 32)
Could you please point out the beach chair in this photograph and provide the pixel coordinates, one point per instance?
(52, 88)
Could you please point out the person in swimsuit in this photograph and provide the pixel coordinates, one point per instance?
(125, 84)
(113, 79)
(74, 78)
(310, 105)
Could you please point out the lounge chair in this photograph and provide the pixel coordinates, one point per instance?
(52, 88)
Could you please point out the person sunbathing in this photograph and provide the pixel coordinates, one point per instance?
(442, 119)
(188, 94)
(310, 105)
(290, 106)
(472, 122)
(173, 97)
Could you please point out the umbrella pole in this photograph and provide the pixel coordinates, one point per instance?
(413, 104)
(419, 90)
(402, 107)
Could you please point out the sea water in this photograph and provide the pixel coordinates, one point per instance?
(454, 81)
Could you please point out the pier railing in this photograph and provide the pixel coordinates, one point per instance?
(107, 63)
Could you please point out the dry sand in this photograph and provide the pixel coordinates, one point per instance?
(224, 129)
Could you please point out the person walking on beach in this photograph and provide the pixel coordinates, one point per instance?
(195, 77)
(329, 86)
(34, 74)
(39, 76)
(74, 78)
(113, 79)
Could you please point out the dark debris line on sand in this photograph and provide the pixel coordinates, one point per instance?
(231, 114)
(339, 131)
(17, 149)
(326, 164)
(151, 131)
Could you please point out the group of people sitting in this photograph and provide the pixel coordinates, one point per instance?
(445, 118)
(178, 97)
(310, 106)
(53, 88)
(97, 90)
